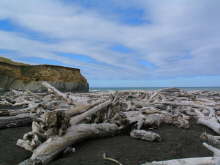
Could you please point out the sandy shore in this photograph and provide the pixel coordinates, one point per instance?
(177, 143)
(10, 154)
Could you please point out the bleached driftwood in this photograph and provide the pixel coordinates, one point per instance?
(57, 92)
(145, 109)
(49, 124)
(215, 151)
(156, 119)
(15, 121)
(81, 117)
(54, 145)
(31, 108)
(210, 121)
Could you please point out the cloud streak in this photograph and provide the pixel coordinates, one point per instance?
(169, 40)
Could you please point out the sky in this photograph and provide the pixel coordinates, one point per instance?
(118, 43)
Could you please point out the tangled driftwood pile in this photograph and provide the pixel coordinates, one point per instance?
(60, 120)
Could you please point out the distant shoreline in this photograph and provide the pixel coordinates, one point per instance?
(151, 88)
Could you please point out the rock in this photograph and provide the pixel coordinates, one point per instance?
(29, 77)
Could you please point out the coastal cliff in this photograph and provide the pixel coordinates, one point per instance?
(21, 76)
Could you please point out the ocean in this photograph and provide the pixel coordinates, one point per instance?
(151, 88)
(92, 89)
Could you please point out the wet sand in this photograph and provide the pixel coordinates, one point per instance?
(176, 143)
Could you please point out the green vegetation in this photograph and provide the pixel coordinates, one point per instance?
(6, 60)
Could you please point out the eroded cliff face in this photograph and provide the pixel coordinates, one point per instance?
(22, 76)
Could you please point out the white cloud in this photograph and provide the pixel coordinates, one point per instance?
(182, 39)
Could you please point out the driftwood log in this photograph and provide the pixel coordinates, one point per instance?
(16, 121)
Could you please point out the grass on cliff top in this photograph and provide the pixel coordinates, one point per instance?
(6, 60)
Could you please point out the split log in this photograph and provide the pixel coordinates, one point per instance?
(47, 151)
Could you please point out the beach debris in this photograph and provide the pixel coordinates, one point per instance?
(49, 124)
(56, 144)
(60, 120)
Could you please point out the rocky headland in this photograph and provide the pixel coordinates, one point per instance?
(19, 76)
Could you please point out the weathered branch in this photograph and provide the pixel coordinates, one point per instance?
(57, 92)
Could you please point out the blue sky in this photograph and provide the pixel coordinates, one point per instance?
(126, 43)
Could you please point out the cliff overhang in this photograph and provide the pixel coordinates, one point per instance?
(21, 76)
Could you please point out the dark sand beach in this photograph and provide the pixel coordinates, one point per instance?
(176, 143)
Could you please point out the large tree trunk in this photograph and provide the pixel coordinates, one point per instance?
(54, 145)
